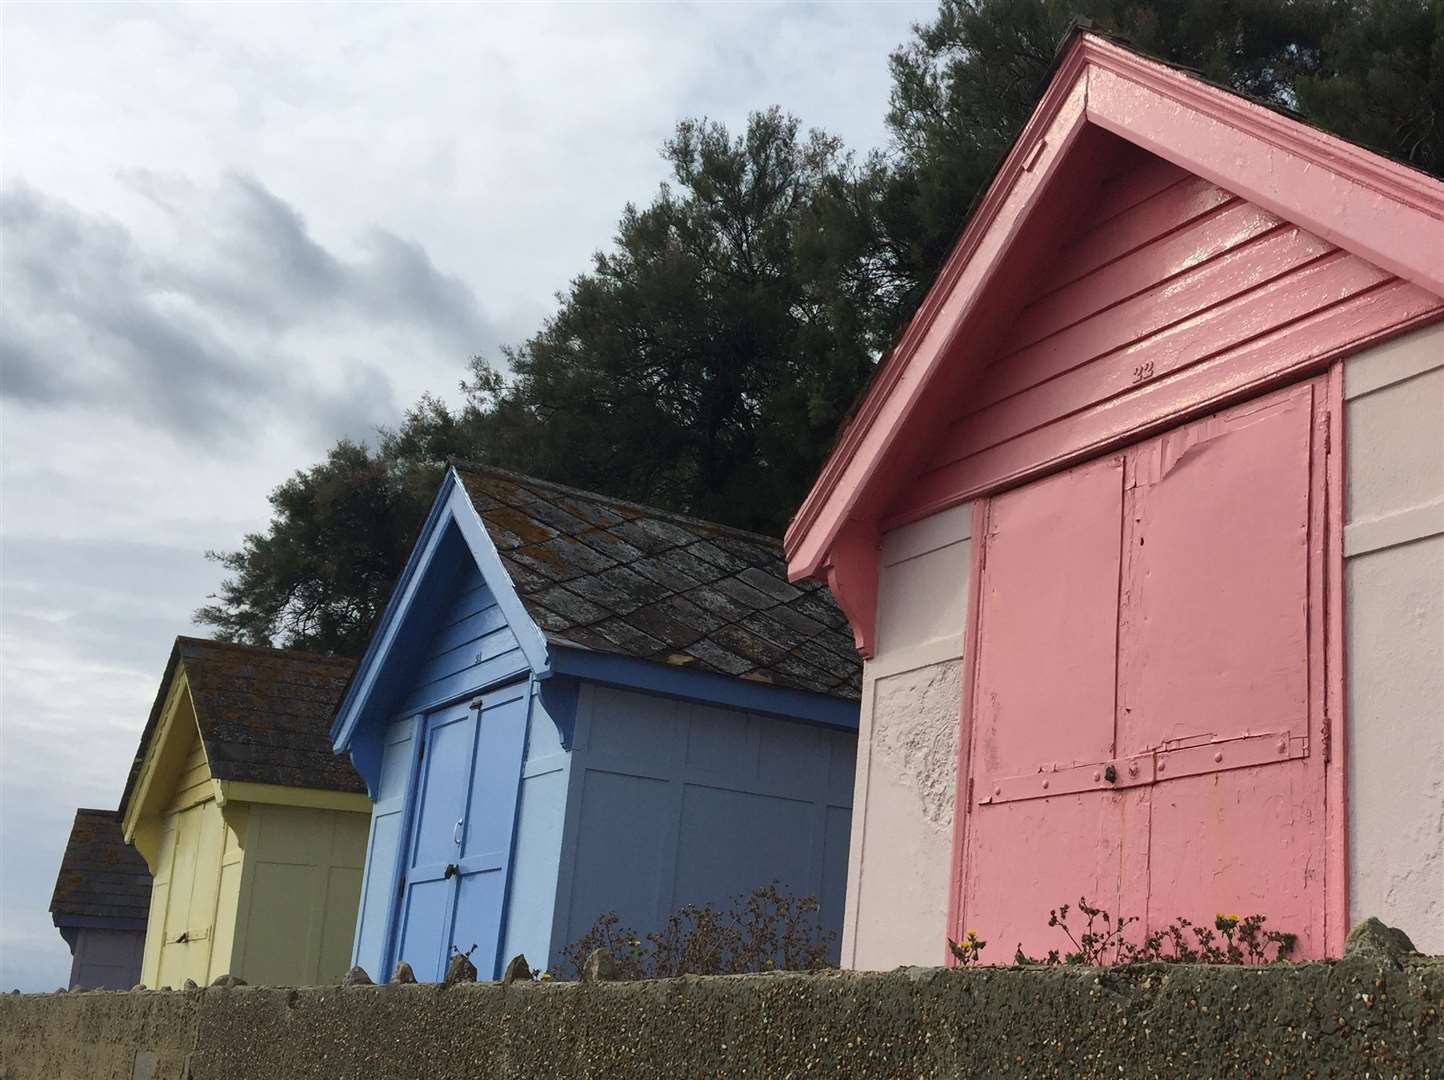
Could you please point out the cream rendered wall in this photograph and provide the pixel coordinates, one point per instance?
(897, 881)
(1394, 612)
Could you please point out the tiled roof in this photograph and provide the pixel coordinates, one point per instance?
(264, 714)
(101, 876)
(617, 577)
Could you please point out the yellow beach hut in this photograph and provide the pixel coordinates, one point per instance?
(254, 830)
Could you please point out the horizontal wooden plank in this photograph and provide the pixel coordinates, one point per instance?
(1213, 234)
(466, 655)
(195, 774)
(470, 628)
(1143, 176)
(1256, 363)
(1215, 282)
(511, 662)
(1317, 286)
(471, 599)
(1153, 217)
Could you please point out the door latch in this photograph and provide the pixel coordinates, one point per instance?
(452, 870)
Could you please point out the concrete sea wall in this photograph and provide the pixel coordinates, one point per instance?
(1368, 1015)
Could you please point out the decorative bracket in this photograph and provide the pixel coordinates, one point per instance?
(852, 576)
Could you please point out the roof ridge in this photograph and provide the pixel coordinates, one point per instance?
(612, 500)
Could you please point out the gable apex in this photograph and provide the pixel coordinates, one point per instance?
(453, 530)
(1370, 208)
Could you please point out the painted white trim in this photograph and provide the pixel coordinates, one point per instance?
(488, 560)
(1393, 362)
(932, 533)
(1391, 530)
(914, 657)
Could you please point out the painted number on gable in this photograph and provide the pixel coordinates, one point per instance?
(1143, 371)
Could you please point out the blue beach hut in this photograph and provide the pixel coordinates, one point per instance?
(575, 705)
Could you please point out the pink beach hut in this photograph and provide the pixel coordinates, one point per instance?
(1140, 529)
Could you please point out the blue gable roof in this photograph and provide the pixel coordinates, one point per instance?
(453, 625)
(513, 576)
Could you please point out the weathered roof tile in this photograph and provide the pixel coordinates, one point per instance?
(264, 714)
(101, 876)
(664, 571)
(614, 576)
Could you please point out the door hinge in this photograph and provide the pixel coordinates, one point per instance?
(970, 791)
(1328, 433)
(1326, 739)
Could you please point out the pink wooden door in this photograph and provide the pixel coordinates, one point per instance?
(1044, 699)
(1146, 720)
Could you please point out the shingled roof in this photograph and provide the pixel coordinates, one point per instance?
(101, 876)
(264, 714)
(618, 577)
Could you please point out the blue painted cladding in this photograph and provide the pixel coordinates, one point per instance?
(383, 850)
(470, 644)
(541, 814)
(674, 802)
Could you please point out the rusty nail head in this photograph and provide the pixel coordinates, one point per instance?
(997, 791)
(1110, 774)
(1097, 776)
(1218, 756)
(1283, 746)
(1045, 784)
(1133, 768)
(1162, 764)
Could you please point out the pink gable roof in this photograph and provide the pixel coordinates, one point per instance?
(1379, 217)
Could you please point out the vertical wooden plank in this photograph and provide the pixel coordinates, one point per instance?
(485, 855)
(1336, 870)
(1044, 698)
(1222, 638)
(1217, 627)
(963, 810)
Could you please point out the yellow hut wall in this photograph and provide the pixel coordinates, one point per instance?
(300, 888)
(256, 880)
(195, 882)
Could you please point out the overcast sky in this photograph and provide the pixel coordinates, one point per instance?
(230, 235)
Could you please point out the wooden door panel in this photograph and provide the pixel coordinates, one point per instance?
(1214, 627)
(485, 853)
(1045, 685)
(1149, 687)
(1242, 842)
(1044, 700)
(1030, 856)
(424, 925)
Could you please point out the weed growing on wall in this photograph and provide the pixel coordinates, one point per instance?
(1102, 939)
(766, 930)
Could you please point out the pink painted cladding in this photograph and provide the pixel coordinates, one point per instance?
(1238, 172)
(1189, 273)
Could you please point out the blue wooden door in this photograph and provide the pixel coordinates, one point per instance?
(423, 929)
(486, 838)
(454, 890)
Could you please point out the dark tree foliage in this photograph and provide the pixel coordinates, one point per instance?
(703, 364)
(707, 359)
(967, 82)
(1380, 79)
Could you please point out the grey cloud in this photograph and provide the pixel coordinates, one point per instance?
(228, 328)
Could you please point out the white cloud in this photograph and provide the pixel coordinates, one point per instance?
(234, 233)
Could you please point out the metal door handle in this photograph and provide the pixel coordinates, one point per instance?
(451, 871)
(456, 832)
